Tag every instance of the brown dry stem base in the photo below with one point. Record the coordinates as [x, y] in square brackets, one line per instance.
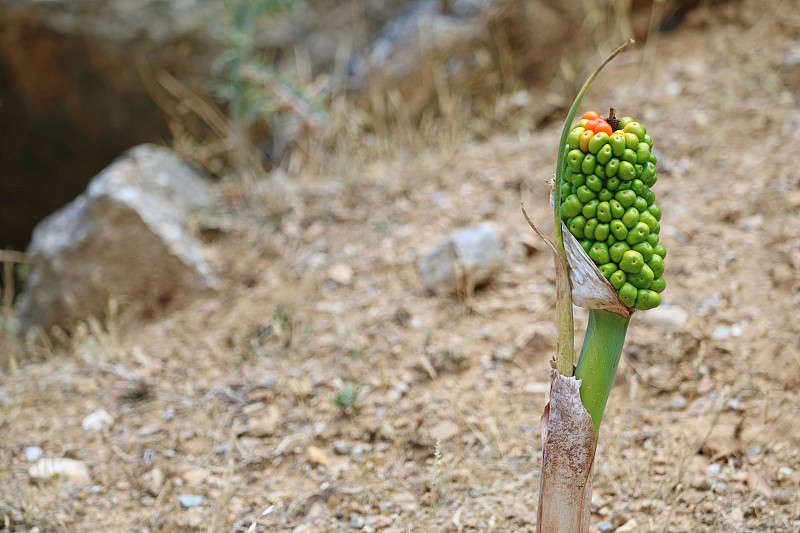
[569, 445]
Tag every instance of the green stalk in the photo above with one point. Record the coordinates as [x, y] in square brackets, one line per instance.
[565, 355]
[597, 366]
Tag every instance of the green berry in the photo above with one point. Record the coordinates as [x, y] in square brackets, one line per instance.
[631, 262]
[600, 171]
[605, 195]
[617, 279]
[630, 218]
[599, 253]
[648, 175]
[658, 284]
[589, 209]
[597, 141]
[612, 168]
[574, 138]
[637, 234]
[576, 226]
[656, 264]
[571, 206]
[631, 141]
[643, 153]
[647, 299]
[627, 293]
[617, 142]
[642, 279]
[652, 239]
[636, 186]
[655, 211]
[645, 249]
[647, 217]
[594, 183]
[604, 212]
[588, 164]
[626, 171]
[602, 231]
[629, 156]
[608, 269]
[618, 229]
[637, 129]
[566, 190]
[640, 204]
[575, 160]
[605, 153]
[588, 229]
[625, 197]
[585, 194]
[624, 121]
[617, 251]
[612, 184]
[616, 208]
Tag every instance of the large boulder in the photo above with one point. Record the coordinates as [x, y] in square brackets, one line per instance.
[126, 236]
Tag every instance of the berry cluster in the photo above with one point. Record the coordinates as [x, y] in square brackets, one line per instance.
[608, 205]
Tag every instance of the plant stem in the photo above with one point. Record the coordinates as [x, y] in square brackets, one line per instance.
[565, 355]
[597, 366]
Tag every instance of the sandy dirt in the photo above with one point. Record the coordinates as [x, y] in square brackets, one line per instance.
[324, 390]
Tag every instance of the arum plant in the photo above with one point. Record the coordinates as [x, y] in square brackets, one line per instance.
[609, 260]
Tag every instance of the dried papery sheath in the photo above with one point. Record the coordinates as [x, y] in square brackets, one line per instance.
[568, 448]
[590, 289]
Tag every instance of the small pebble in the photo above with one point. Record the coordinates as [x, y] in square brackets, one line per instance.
[357, 522]
[97, 421]
[782, 496]
[190, 500]
[673, 88]
[679, 402]
[755, 450]
[785, 471]
[33, 453]
[721, 333]
[605, 526]
[341, 447]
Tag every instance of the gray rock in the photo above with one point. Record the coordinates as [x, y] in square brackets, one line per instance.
[466, 258]
[125, 236]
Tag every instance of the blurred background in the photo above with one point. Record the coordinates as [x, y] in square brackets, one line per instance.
[253, 85]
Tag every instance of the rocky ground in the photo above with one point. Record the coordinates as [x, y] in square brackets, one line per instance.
[323, 389]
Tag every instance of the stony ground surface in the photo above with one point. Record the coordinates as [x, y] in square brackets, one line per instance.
[324, 390]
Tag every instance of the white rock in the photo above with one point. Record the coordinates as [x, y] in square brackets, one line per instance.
[32, 453]
[97, 421]
[126, 235]
[69, 470]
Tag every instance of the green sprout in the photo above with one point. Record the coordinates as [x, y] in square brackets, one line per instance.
[347, 398]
